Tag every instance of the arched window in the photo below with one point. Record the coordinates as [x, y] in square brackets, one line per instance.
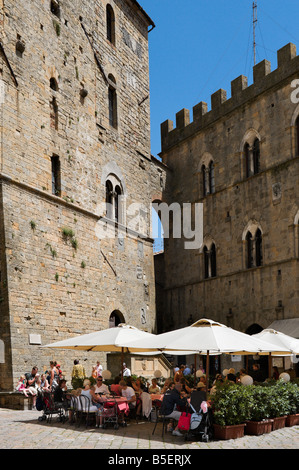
[56, 176]
[206, 262]
[208, 178]
[117, 206]
[256, 156]
[204, 185]
[53, 84]
[112, 101]
[209, 259]
[258, 248]
[247, 160]
[254, 249]
[297, 135]
[252, 158]
[249, 250]
[113, 199]
[213, 260]
[109, 199]
[110, 22]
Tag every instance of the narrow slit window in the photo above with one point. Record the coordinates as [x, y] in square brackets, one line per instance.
[110, 20]
[54, 114]
[112, 103]
[55, 8]
[56, 176]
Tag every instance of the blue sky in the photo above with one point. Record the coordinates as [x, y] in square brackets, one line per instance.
[199, 46]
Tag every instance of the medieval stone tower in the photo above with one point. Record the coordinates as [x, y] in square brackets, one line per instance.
[240, 160]
[75, 155]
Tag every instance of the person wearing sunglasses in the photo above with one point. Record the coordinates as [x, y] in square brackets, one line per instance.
[100, 387]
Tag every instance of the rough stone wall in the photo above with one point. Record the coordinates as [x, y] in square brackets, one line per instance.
[60, 287]
[237, 296]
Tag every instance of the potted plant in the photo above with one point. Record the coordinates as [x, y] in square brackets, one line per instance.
[229, 411]
[278, 402]
[293, 397]
[259, 411]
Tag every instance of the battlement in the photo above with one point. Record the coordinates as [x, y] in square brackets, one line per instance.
[263, 79]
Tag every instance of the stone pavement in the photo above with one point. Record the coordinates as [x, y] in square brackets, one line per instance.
[22, 430]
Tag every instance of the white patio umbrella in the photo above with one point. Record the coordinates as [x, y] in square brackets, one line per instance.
[109, 340]
[279, 339]
[208, 337]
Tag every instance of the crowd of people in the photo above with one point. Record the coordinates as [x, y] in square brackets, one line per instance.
[174, 392]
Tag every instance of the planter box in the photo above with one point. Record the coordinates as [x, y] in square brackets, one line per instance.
[229, 432]
[256, 428]
[279, 423]
[292, 420]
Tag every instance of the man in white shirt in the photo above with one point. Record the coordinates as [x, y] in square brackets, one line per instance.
[126, 371]
[100, 387]
[128, 393]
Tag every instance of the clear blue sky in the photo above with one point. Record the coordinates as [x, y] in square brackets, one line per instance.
[199, 46]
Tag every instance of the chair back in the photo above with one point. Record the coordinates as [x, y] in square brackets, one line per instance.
[85, 403]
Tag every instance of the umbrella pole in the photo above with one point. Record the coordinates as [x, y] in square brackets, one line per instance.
[122, 361]
[270, 365]
[194, 370]
[207, 371]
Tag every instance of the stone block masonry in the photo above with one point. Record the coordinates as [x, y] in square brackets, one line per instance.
[57, 70]
[208, 163]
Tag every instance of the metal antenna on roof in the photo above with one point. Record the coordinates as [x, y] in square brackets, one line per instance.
[254, 7]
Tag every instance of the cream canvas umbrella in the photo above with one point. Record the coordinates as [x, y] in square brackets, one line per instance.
[109, 340]
[279, 339]
[208, 337]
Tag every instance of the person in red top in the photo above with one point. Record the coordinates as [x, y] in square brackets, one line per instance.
[115, 387]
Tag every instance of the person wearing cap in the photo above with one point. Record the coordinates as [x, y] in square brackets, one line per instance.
[126, 371]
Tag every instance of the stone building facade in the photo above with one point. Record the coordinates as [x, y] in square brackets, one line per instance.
[241, 161]
[76, 171]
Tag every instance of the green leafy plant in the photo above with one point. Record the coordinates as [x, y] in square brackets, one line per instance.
[69, 235]
[32, 224]
[230, 404]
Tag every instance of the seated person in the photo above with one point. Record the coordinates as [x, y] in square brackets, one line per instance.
[59, 394]
[166, 385]
[115, 387]
[138, 385]
[171, 400]
[128, 393]
[100, 387]
[154, 388]
[185, 386]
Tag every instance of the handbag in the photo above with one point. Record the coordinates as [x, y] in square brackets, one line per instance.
[184, 421]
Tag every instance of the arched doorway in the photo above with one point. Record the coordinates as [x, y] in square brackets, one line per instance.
[116, 318]
[263, 361]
